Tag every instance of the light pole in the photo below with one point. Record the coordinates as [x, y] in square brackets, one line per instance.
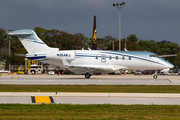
[119, 6]
[9, 54]
[125, 44]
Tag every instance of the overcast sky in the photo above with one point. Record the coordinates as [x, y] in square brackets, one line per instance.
[147, 19]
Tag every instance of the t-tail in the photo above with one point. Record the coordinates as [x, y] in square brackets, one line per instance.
[31, 42]
[94, 37]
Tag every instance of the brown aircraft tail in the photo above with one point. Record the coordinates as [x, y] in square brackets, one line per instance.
[94, 37]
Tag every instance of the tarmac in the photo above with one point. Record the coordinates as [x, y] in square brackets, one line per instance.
[95, 80]
[89, 98]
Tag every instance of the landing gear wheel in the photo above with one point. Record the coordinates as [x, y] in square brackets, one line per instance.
[87, 75]
[155, 76]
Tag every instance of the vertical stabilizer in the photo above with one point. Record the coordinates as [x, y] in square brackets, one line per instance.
[31, 42]
[94, 37]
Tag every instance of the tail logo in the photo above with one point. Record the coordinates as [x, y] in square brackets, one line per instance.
[95, 36]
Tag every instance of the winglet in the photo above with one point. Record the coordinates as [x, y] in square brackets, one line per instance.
[65, 63]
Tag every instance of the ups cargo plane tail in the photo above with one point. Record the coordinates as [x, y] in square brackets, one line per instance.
[88, 62]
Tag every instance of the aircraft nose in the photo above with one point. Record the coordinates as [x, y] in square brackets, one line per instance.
[170, 65]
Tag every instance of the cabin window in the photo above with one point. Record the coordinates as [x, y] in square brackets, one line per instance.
[123, 58]
[96, 57]
[110, 57]
[116, 57]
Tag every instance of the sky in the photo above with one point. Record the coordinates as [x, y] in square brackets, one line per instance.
[148, 19]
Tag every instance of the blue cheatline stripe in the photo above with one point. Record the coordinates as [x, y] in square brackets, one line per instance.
[36, 57]
[120, 58]
[32, 55]
[35, 41]
[85, 56]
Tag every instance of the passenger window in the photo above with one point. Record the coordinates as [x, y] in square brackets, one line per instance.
[110, 57]
[116, 57]
[123, 58]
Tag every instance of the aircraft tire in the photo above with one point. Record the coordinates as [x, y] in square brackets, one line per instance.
[155, 76]
[87, 76]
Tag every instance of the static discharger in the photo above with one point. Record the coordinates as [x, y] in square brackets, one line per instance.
[42, 99]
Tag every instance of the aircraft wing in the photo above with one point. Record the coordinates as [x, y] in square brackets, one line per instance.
[82, 69]
[167, 55]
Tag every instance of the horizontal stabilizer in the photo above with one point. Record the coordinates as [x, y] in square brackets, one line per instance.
[65, 63]
[20, 33]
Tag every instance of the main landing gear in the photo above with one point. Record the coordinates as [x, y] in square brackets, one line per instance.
[87, 76]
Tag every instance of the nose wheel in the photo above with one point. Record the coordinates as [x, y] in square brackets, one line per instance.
[155, 75]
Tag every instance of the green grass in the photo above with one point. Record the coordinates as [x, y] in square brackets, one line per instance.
[93, 88]
[106, 111]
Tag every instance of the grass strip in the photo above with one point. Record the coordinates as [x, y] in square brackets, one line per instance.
[105, 111]
[93, 88]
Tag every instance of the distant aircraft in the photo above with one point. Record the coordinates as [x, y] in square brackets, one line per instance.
[89, 61]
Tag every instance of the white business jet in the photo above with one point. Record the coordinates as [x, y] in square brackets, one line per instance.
[88, 62]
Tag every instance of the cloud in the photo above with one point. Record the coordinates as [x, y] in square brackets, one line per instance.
[147, 19]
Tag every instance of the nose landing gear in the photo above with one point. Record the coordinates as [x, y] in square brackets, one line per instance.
[155, 75]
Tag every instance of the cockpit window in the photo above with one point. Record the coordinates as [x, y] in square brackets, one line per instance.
[154, 55]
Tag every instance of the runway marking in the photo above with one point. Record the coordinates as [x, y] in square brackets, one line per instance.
[14, 77]
[100, 80]
[42, 99]
[169, 80]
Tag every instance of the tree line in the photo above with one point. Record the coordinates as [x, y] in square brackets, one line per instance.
[65, 41]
